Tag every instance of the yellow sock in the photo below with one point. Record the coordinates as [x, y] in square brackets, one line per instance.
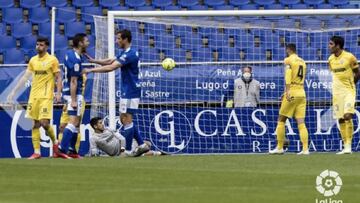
[35, 137]
[349, 131]
[51, 134]
[304, 136]
[78, 140]
[343, 132]
[60, 137]
[280, 134]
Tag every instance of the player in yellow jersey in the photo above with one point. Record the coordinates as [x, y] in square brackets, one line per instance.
[44, 69]
[64, 119]
[293, 102]
[345, 71]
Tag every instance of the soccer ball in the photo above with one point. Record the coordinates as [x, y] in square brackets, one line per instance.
[168, 64]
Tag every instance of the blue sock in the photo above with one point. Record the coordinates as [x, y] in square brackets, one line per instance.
[73, 140]
[67, 135]
[137, 136]
[128, 132]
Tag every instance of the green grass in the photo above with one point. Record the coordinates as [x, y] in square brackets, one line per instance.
[210, 178]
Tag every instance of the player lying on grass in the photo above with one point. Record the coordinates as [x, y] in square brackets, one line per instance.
[107, 142]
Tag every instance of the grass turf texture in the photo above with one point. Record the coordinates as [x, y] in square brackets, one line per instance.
[210, 178]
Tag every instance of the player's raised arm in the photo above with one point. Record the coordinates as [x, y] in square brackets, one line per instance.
[104, 69]
[102, 62]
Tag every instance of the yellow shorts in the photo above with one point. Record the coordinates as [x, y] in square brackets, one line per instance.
[343, 104]
[295, 108]
[39, 109]
[65, 116]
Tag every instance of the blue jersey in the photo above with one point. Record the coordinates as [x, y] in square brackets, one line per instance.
[130, 84]
[72, 68]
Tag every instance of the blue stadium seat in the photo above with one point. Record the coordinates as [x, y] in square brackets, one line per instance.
[244, 40]
[14, 56]
[270, 40]
[217, 41]
[339, 2]
[73, 28]
[65, 15]
[119, 8]
[144, 8]
[2, 29]
[161, 3]
[308, 54]
[139, 40]
[255, 54]
[324, 6]
[207, 31]
[314, 2]
[188, 3]
[319, 40]
[289, 2]
[349, 6]
[264, 2]
[92, 40]
[239, 2]
[202, 54]
[88, 12]
[39, 15]
[90, 51]
[274, 6]
[60, 55]
[30, 3]
[214, 3]
[154, 29]
[229, 54]
[286, 23]
[311, 24]
[61, 42]
[278, 54]
[82, 3]
[300, 39]
[45, 29]
[149, 54]
[298, 6]
[56, 3]
[164, 41]
[336, 23]
[109, 3]
[20, 30]
[191, 41]
[135, 3]
[177, 54]
[179, 30]
[28, 43]
[7, 4]
[12, 15]
[249, 7]
[7, 42]
[172, 8]
[199, 7]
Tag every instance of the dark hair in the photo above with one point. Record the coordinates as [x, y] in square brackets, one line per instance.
[291, 46]
[125, 34]
[249, 67]
[43, 39]
[338, 41]
[94, 121]
[79, 37]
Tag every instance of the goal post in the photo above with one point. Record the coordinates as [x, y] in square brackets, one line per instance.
[292, 35]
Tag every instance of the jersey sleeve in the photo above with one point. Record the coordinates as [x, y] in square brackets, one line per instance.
[55, 66]
[30, 66]
[353, 62]
[74, 66]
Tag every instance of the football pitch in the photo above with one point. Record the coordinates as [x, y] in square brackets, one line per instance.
[206, 178]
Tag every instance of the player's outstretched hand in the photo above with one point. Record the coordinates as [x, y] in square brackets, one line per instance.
[85, 71]
[90, 59]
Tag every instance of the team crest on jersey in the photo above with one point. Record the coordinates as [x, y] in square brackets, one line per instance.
[76, 67]
[341, 61]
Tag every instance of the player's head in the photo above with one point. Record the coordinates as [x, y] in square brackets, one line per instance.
[123, 38]
[246, 73]
[290, 49]
[336, 43]
[42, 45]
[80, 41]
[97, 124]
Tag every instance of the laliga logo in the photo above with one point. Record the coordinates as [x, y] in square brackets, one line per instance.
[170, 131]
[328, 183]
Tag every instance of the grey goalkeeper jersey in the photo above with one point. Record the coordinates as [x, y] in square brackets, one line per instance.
[108, 141]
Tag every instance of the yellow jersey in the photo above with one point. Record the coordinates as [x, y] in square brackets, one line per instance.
[43, 70]
[298, 72]
[342, 71]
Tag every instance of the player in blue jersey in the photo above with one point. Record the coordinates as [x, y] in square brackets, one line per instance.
[72, 93]
[128, 61]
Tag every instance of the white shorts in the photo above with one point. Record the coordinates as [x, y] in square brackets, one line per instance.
[129, 105]
[74, 111]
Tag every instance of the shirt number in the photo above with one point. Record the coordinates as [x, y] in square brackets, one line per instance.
[301, 72]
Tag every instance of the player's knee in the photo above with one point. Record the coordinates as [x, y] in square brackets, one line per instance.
[282, 118]
[45, 123]
[36, 125]
[300, 121]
